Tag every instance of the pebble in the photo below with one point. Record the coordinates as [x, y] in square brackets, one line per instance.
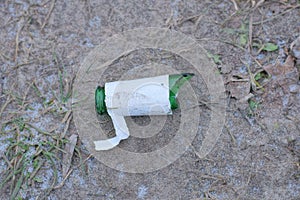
[294, 88]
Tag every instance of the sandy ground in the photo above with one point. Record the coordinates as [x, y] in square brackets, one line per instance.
[43, 44]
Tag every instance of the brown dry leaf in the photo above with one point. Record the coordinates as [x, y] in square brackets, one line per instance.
[295, 49]
[67, 157]
[284, 76]
[239, 88]
[281, 69]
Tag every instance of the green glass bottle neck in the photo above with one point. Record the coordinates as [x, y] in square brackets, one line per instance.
[100, 100]
[175, 82]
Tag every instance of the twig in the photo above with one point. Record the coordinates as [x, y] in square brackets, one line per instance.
[22, 64]
[256, 61]
[64, 180]
[18, 184]
[48, 15]
[222, 41]
[275, 16]
[214, 177]
[39, 130]
[69, 173]
[17, 38]
[7, 161]
[258, 4]
[4, 56]
[292, 118]
[191, 18]
[35, 172]
[232, 137]
[6, 179]
[84, 161]
[250, 33]
[196, 152]
[17, 146]
[66, 117]
[169, 22]
[208, 195]
[235, 5]
[66, 127]
[25, 96]
[255, 85]
[197, 22]
[5, 105]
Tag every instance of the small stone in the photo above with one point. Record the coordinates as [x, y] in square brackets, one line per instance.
[225, 69]
[238, 89]
[294, 88]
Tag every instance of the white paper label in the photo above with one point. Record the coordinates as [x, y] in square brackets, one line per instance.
[148, 96]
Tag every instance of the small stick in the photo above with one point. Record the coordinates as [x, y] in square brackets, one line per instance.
[213, 176]
[48, 15]
[39, 130]
[66, 117]
[191, 18]
[258, 4]
[25, 96]
[35, 172]
[198, 21]
[255, 85]
[69, 173]
[235, 5]
[271, 18]
[231, 135]
[17, 43]
[250, 33]
[4, 56]
[22, 64]
[196, 152]
[257, 62]
[6, 160]
[64, 180]
[222, 41]
[66, 127]
[5, 105]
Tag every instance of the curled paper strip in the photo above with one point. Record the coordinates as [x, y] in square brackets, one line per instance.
[140, 97]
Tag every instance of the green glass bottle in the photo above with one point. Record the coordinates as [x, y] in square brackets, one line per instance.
[175, 82]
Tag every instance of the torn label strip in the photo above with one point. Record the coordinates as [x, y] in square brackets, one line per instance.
[147, 96]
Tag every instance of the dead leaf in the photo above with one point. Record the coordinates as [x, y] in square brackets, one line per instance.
[284, 76]
[67, 157]
[295, 49]
[239, 88]
[281, 69]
